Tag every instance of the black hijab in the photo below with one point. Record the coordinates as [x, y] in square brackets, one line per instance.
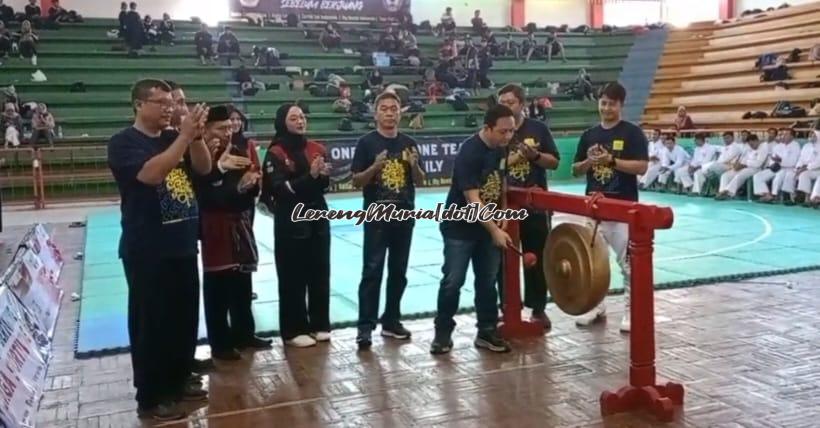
[293, 144]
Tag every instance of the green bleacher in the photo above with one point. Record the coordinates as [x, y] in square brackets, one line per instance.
[84, 53]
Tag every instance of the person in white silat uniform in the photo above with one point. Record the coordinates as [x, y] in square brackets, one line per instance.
[611, 155]
[673, 158]
[749, 165]
[654, 151]
[704, 154]
[810, 174]
[729, 154]
[806, 170]
[779, 169]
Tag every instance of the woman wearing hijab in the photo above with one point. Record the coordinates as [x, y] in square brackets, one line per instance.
[227, 200]
[296, 176]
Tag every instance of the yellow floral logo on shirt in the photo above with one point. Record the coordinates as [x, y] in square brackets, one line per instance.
[491, 190]
[521, 170]
[179, 186]
[602, 173]
[393, 175]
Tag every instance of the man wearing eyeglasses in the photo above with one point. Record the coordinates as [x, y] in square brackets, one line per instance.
[153, 168]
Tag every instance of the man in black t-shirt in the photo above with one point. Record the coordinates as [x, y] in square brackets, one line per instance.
[478, 179]
[531, 153]
[386, 165]
[153, 168]
[612, 155]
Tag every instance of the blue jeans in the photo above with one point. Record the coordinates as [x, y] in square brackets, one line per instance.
[486, 259]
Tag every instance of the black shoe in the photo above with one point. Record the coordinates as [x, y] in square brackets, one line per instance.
[229, 355]
[161, 412]
[193, 392]
[364, 342]
[492, 342]
[202, 366]
[256, 343]
[396, 331]
[541, 317]
[441, 345]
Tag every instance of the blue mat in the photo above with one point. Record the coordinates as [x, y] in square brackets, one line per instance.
[710, 241]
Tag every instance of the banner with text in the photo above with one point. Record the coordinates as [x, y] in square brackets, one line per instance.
[23, 366]
[325, 9]
[436, 156]
[29, 280]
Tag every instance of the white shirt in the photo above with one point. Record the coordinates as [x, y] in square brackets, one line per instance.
[655, 149]
[675, 158]
[788, 153]
[815, 162]
[756, 158]
[732, 152]
[807, 154]
[703, 154]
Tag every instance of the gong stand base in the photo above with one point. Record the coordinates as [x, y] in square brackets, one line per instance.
[518, 328]
[659, 400]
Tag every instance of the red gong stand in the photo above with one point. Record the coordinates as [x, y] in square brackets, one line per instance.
[643, 391]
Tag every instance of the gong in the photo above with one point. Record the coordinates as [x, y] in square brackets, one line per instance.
[576, 268]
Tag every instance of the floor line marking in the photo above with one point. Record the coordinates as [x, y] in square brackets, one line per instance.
[767, 231]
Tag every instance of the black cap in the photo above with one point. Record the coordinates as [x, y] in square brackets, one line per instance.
[218, 113]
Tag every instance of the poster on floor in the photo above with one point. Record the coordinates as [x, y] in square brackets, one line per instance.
[23, 366]
[325, 9]
[29, 281]
[43, 246]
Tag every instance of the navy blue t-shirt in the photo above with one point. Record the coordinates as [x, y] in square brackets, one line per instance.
[535, 134]
[394, 184]
[157, 221]
[477, 166]
[624, 141]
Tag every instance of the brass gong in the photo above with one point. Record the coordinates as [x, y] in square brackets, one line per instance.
[576, 268]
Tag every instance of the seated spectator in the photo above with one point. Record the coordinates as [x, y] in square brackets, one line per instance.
[204, 42]
[583, 86]
[749, 164]
[445, 74]
[683, 120]
[28, 42]
[167, 31]
[409, 44]
[330, 38]
[247, 84]
[33, 13]
[56, 13]
[227, 46]
[389, 41]
[11, 123]
[488, 38]
[529, 47]
[374, 81]
[5, 41]
[447, 26]
[151, 31]
[42, 126]
[510, 47]
[478, 23]
[266, 56]
[343, 103]
[6, 13]
[554, 46]
[134, 30]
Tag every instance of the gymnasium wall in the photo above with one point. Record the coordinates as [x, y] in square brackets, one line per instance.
[557, 12]
[765, 4]
[210, 11]
[496, 13]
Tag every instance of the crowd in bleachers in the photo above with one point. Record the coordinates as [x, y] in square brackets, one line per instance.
[774, 169]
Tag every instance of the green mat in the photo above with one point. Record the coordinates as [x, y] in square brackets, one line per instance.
[709, 242]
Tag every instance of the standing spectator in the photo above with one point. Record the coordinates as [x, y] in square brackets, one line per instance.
[167, 31]
[5, 41]
[330, 38]
[33, 13]
[447, 26]
[154, 168]
[122, 17]
[134, 30]
[42, 125]
[295, 172]
[6, 13]
[204, 42]
[478, 23]
[227, 46]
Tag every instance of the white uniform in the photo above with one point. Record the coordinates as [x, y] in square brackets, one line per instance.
[788, 153]
[673, 160]
[811, 156]
[653, 168]
[753, 159]
[728, 155]
[703, 155]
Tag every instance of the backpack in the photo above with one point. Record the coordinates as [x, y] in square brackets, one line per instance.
[765, 60]
[345, 125]
[470, 121]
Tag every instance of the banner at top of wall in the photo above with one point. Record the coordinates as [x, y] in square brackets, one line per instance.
[325, 9]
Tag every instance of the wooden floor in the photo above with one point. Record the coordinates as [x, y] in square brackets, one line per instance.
[748, 354]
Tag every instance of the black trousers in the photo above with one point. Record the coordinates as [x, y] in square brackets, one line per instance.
[381, 238]
[228, 293]
[163, 316]
[303, 270]
[534, 231]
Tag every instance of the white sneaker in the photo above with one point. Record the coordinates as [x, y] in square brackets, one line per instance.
[301, 341]
[34, 60]
[594, 316]
[627, 317]
[625, 324]
[321, 336]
